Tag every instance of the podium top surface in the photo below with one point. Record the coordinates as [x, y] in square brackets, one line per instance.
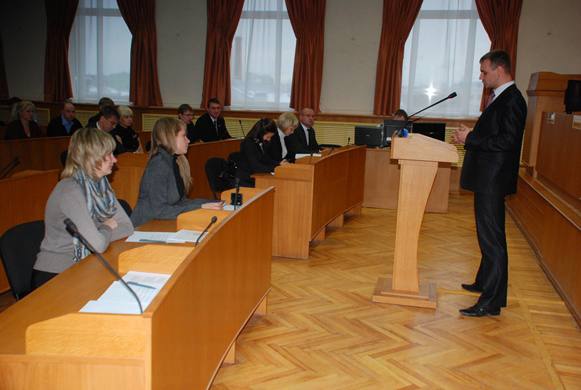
[421, 148]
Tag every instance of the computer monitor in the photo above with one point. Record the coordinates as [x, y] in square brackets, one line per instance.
[573, 96]
[434, 130]
[390, 126]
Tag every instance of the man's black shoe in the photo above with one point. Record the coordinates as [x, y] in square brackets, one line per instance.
[471, 287]
[479, 311]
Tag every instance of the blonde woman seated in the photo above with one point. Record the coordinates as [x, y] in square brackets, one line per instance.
[22, 125]
[86, 198]
[166, 180]
[277, 148]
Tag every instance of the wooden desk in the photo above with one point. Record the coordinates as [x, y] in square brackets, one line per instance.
[382, 183]
[312, 194]
[23, 199]
[35, 153]
[198, 154]
[183, 336]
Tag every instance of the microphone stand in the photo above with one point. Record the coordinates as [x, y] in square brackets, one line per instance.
[212, 221]
[450, 96]
[73, 231]
[8, 168]
[237, 193]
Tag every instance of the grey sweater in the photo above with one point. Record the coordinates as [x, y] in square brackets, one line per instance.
[68, 200]
[158, 194]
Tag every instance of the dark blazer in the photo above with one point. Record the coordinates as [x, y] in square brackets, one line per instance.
[92, 122]
[15, 130]
[126, 139]
[205, 130]
[298, 141]
[493, 147]
[57, 129]
[159, 196]
[274, 149]
[254, 158]
[191, 133]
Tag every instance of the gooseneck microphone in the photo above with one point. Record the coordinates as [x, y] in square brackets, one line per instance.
[9, 167]
[212, 221]
[73, 231]
[348, 140]
[450, 96]
[242, 128]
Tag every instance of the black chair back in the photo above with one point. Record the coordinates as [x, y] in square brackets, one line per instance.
[219, 176]
[18, 247]
[125, 206]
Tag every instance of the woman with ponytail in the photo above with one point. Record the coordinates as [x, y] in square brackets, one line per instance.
[166, 180]
[85, 197]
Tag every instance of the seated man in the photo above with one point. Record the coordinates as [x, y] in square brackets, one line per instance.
[211, 126]
[108, 120]
[65, 124]
[303, 139]
[103, 102]
[186, 114]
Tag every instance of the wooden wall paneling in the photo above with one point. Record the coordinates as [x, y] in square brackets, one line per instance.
[35, 153]
[126, 177]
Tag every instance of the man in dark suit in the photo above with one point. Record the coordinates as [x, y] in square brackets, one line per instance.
[490, 170]
[211, 126]
[186, 114]
[103, 102]
[303, 139]
[65, 124]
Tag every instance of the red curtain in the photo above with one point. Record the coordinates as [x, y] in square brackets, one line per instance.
[3, 84]
[500, 19]
[140, 18]
[223, 17]
[307, 18]
[398, 19]
[60, 15]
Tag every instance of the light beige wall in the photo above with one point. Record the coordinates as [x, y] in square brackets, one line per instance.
[352, 34]
[549, 39]
[181, 44]
[23, 29]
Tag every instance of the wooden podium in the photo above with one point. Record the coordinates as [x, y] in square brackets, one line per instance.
[418, 157]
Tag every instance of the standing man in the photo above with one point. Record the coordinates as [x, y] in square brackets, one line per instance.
[303, 139]
[65, 124]
[211, 126]
[490, 170]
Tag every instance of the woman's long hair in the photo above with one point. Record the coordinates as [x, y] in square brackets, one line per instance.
[263, 126]
[163, 136]
[87, 149]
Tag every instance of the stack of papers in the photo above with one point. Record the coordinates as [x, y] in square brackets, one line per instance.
[179, 237]
[118, 300]
[301, 155]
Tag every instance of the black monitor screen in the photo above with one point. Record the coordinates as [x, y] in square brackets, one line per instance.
[434, 130]
[573, 96]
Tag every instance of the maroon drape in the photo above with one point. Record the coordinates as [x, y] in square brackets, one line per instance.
[307, 18]
[140, 18]
[398, 19]
[60, 15]
[500, 19]
[3, 84]
[223, 18]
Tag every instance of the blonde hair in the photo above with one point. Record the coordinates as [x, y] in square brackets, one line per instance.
[163, 136]
[286, 120]
[87, 149]
[124, 111]
[17, 108]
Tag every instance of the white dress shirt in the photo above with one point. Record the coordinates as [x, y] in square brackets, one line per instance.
[281, 135]
[501, 89]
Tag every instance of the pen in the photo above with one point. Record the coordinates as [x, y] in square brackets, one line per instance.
[141, 285]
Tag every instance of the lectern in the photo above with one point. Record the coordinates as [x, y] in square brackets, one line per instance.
[418, 157]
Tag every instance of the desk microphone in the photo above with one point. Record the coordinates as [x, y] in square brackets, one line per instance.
[73, 231]
[348, 140]
[450, 96]
[236, 197]
[212, 221]
[242, 128]
[9, 167]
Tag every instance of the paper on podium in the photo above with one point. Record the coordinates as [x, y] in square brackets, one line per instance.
[301, 155]
[118, 300]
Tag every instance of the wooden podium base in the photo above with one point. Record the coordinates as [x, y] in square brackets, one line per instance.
[426, 297]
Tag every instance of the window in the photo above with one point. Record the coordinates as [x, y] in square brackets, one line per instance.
[441, 56]
[263, 50]
[100, 52]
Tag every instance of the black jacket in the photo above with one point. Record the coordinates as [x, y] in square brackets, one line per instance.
[126, 139]
[493, 147]
[254, 158]
[205, 130]
[297, 142]
[15, 130]
[57, 129]
[274, 149]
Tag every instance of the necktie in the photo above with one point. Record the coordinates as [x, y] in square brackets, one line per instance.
[307, 136]
[490, 99]
[216, 127]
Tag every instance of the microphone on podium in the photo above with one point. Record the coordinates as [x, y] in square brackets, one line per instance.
[212, 221]
[74, 231]
[450, 96]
